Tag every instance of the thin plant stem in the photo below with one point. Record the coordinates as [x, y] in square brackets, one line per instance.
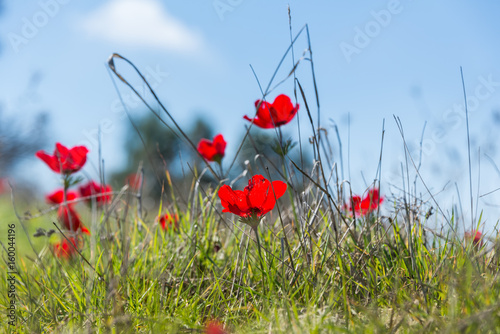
[256, 231]
[220, 169]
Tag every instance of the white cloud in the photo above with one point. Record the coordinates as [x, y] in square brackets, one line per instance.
[141, 23]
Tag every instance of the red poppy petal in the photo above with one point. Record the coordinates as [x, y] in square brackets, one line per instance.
[231, 207]
[365, 204]
[266, 116]
[77, 157]
[279, 189]
[225, 205]
[85, 190]
[248, 118]
[70, 218]
[219, 140]
[57, 197]
[233, 201]
[373, 194]
[49, 160]
[268, 205]
[228, 198]
[354, 204]
[263, 124]
[207, 149]
[107, 198]
[93, 188]
[284, 110]
[242, 202]
[264, 113]
[70, 196]
[63, 249]
[257, 191]
[61, 150]
[260, 123]
[264, 104]
[371, 201]
[355, 201]
[219, 145]
[225, 193]
[235, 210]
[283, 106]
[477, 238]
[292, 114]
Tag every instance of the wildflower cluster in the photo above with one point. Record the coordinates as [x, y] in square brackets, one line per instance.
[259, 197]
[251, 204]
[66, 162]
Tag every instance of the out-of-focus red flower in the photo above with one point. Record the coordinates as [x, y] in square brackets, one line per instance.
[102, 193]
[255, 200]
[3, 185]
[280, 112]
[477, 240]
[63, 249]
[134, 181]
[57, 197]
[66, 214]
[212, 150]
[168, 221]
[71, 219]
[64, 160]
[366, 205]
[214, 327]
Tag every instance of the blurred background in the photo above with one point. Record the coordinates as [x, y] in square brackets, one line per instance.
[372, 60]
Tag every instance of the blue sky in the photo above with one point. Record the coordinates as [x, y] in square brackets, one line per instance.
[373, 60]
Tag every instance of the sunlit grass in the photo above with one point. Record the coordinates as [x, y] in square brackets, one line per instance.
[175, 281]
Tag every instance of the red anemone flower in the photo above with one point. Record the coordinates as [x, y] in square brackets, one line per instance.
[274, 115]
[134, 181]
[257, 199]
[64, 249]
[477, 240]
[212, 150]
[57, 197]
[366, 205]
[66, 214]
[214, 327]
[64, 160]
[71, 219]
[101, 193]
[168, 221]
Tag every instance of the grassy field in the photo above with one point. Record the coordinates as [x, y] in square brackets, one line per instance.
[383, 274]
